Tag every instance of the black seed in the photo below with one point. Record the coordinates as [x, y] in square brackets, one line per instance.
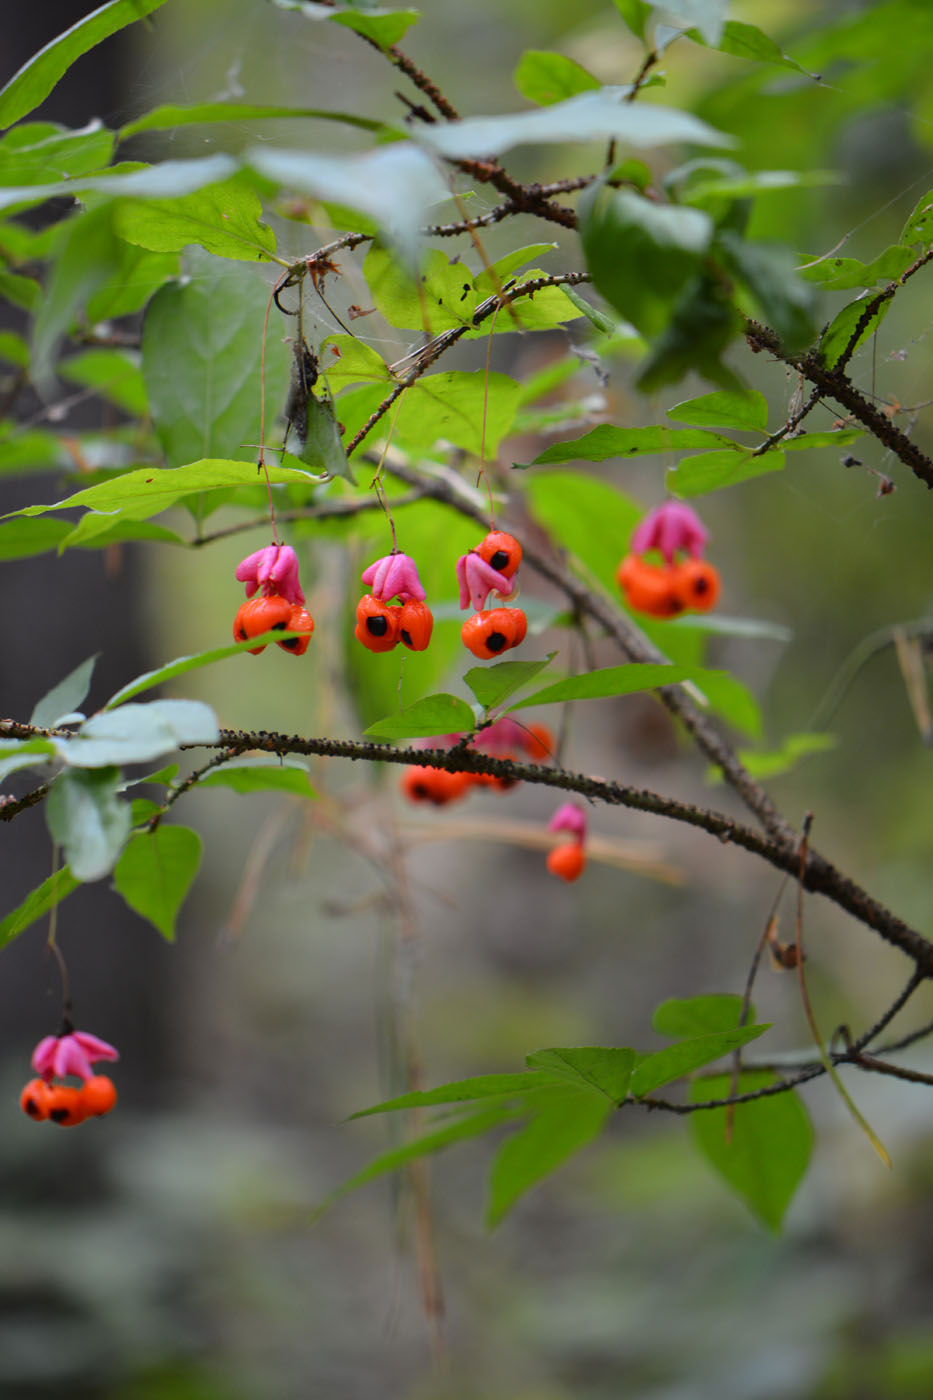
[60, 1115]
[32, 1108]
[499, 559]
[377, 626]
[278, 627]
[420, 791]
[241, 635]
[496, 641]
[701, 586]
[406, 637]
[291, 644]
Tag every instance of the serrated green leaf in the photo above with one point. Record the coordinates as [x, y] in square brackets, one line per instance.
[224, 219]
[664, 1066]
[641, 254]
[607, 441]
[443, 295]
[155, 872]
[86, 817]
[51, 892]
[38, 151]
[451, 406]
[427, 718]
[710, 471]
[766, 1154]
[138, 733]
[590, 116]
[738, 408]
[607, 1068]
[481, 1086]
[494, 684]
[261, 775]
[567, 1120]
[35, 80]
[610, 681]
[546, 77]
[64, 698]
[695, 1016]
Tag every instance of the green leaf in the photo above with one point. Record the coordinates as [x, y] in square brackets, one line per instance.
[617, 680]
[469, 1126]
[142, 810]
[87, 819]
[40, 151]
[708, 16]
[114, 374]
[769, 271]
[222, 219]
[148, 490]
[591, 519]
[833, 437]
[19, 539]
[33, 82]
[481, 1086]
[664, 1066]
[722, 188]
[138, 733]
[135, 276]
[547, 77]
[607, 441]
[450, 406]
[918, 230]
[590, 116]
[14, 349]
[51, 892]
[382, 26]
[16, 754]
[606, 1068]
[323, 449]
[21, 291]
[180, 666]
[169, 179]
[635, 13]
[394, 185]
[694, 1016]
[733, 700]
[747, 41]
[566, 1121]
[64, 698]
[641, 254]
[86, 255]
[170, 116]
[433, 716]
[443, 293]
[746, 409]
[703, 322]
[261, 775]
[836, 338]
[494, 684]
[155, 872]
[694, 476]
[774, 762]
[768, 1152]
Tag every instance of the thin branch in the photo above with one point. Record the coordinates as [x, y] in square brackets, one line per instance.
[334, 510]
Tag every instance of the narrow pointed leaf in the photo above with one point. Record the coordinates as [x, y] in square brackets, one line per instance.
[494, 685]
[51, 892]
[434, 715]
[155, 873]
[481, 1086]
[65, 697]
[567, 1120]
[87, 819]
[675, 1061]
[606, 1068]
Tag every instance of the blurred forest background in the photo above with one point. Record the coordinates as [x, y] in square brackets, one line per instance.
[170, 1250]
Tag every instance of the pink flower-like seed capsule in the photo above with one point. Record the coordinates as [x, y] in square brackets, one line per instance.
[394, 576]
[669, 528]
[71, 1053]
[477, 580]
[274, 570]
[570, 817]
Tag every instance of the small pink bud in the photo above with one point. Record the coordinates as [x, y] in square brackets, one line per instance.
[668, 528]
[394, 576]
[72, 1053]
[570, 817]
[274, 570]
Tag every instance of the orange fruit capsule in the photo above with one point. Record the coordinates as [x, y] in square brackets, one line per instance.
[698, 582]
[34, 1099]
[567, 861]
[98, 1096]
[488, 634]
[501, 552]
[651, 589]
[436, 785]
[415, 625]
[376, 624]
[258, 615]
[65, 1105]
[299, 620]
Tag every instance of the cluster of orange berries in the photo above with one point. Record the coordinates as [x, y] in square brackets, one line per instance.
[70, 1053]
[491, 567]
[272, 573]
[382, 624]
[665, 590]
[504, 739]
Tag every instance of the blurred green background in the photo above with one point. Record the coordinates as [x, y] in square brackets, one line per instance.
[172, 1250]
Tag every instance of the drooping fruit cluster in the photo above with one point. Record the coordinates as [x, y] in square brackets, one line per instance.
[381, 624]
[567, 861]
[490, 567]
[280, 604]
[71, 1053]
[505, 738]
[665, 590]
